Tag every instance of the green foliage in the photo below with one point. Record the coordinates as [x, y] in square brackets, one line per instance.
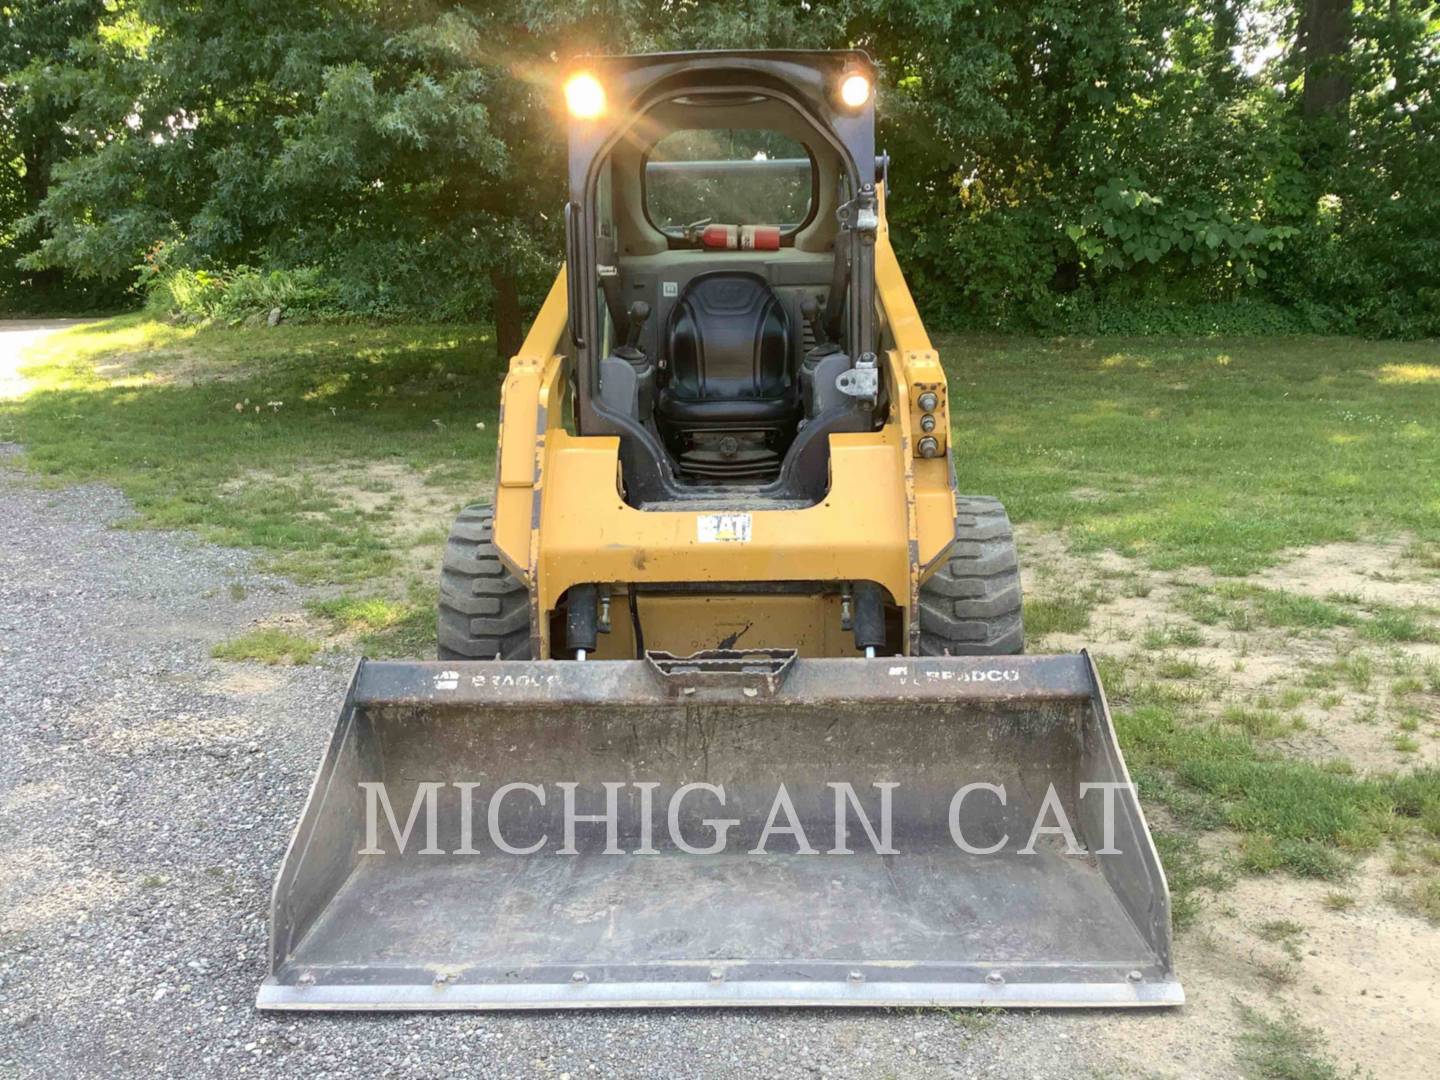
[1126, 227]
[1067, 612]
[244, 293]
[35, 36]
[384, 627]
[1060, 166]
[1292, 815]
[1095, 166]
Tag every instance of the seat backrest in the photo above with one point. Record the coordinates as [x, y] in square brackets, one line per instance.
[729, 338]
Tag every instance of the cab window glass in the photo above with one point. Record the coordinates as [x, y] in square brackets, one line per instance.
[728, 177]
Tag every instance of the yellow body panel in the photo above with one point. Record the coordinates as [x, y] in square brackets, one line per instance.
[560, 520]
[684, 625]
[589, 534]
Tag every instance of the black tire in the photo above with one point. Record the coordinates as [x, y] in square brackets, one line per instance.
[971, 606]
[484, 609]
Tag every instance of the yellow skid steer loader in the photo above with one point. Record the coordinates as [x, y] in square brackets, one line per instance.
[730, 707]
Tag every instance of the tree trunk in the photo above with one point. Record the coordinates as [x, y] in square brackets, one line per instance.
[506, 311]
[1224, 32]
[1325, 42]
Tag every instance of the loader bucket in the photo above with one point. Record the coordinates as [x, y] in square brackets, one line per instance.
[563, 848]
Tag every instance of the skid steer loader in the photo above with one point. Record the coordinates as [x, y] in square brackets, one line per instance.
[730, 707]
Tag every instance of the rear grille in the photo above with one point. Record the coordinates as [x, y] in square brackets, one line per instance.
[728, 455]
[746, 465]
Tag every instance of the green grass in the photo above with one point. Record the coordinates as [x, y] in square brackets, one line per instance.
[1193, 877]
[1172, 635]
[269, 646]
[1065, 612]
[1280, 930]
[1426, 555]
[1292, 697]
[1357, 669]
[385, 627]
[1280, 1047]
[1261, 723]
[1214, 453]
[1420, 898]
[1395, 624]
[1279, 608]
[1298, 816]
[1240, 606]
[1180, 667]
[1405, 685]
[1219, 453]
[235, 432]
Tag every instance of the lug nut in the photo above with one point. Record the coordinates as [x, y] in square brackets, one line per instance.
[929, 447]
[928, 401]
[927, 422]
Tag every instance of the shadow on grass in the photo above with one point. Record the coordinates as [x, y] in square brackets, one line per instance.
[1219, 453]
[235, 433]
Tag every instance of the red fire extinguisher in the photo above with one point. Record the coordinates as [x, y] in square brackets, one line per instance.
[741, 237]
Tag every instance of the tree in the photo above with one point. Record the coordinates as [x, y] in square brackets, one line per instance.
[1324, 38]
[34, 138]
[1055, 161]
[411, 151]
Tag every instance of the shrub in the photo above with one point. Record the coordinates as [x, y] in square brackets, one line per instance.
[236, 295]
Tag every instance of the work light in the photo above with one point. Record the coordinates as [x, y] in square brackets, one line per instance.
[855, 90]
[584, 96]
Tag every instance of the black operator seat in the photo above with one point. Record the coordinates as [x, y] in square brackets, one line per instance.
[730, 354]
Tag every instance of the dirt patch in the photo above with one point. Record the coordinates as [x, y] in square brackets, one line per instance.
[1337, 686]
[1368, 977]
[1378, 573]
[1364, 975]
[171, 367]
[416, 514]
[246, 682]
[408, 507]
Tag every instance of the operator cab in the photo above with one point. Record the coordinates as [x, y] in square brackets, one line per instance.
[718, 271]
